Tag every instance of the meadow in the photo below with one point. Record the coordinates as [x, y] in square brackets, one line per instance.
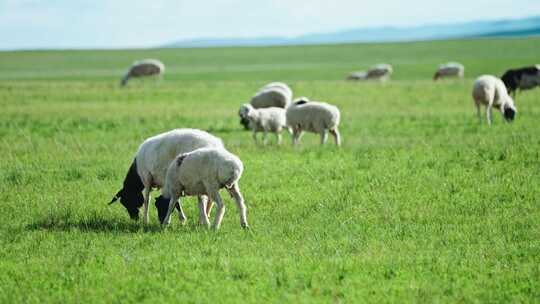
[423, 203]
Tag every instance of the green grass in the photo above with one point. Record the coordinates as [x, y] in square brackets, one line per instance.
[421, 204]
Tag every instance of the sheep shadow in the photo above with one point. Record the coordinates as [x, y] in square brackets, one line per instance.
[65, 222]
[92, 224]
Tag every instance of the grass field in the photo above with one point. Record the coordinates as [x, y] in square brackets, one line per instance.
[421, 204]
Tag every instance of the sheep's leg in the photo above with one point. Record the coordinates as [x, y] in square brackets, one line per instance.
[209, 207]
[146, 200]
[488, 114]
[279, 139]
[203, 217]
[254, 135]
[181, 215]
[235, 193]
[337, 136]
[265, 137]
[167, 219]
[214, 195]
[297, 134]
[324, 136]
[478, 111]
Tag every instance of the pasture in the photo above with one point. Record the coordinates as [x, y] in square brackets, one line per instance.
[421, 204]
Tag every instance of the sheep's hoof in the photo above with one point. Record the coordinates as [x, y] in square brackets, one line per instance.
[245, 226]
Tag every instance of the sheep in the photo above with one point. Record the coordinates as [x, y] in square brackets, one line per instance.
[142, 68]
[264, 120]
[204, 172]
[521, 79]
[490, 91]
[275, 94]
[150, 165]
[380, 72]
[450, 69]
[313, 116]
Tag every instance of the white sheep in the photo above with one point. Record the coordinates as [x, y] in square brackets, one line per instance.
[312, 116]
[264, 120]
[491, 92]
[142, 68]
[275, 94]
[204, 172]
[150, 165]
[450, 69]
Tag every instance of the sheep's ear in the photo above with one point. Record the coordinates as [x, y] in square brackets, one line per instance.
[180, 159]
[116, 197]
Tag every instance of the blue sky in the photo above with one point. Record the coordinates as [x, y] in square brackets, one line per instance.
[26, 24]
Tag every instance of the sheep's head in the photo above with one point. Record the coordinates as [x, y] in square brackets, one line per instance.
[162, 205]
[509, 114]
[132, 201]
[243, 113]
[130, 195]
[301, 100]
[509, 110]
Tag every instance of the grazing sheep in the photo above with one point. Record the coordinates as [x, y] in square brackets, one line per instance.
[264, 120]
[150, 165]
[524, 78]
[450, 69]
[491, 92]
[204, 172]
[313, 116]
[275, 94]
[380, 72]
[142, 68]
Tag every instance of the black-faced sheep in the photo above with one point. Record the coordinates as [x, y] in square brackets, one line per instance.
[150, 165]
[490, 91]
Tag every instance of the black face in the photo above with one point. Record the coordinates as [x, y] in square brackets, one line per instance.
[509, 114]
[132, 202]
[244, 122]
[162, 205]
[130, 195]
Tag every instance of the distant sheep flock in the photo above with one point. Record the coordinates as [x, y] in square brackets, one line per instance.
[191, 162]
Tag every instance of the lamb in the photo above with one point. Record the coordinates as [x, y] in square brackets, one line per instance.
[150, 165]
[313, 116]
[264, 120]
[142, 68]
[490, 91]
[275, 94]
[204, 172]
[450, 69]
[380, 72]
[524, 78]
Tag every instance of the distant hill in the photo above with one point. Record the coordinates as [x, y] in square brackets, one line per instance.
[498, 28]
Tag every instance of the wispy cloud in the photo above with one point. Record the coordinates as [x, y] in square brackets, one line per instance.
[125, 23]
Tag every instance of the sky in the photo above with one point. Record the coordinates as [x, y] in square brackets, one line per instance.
[30, 24]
